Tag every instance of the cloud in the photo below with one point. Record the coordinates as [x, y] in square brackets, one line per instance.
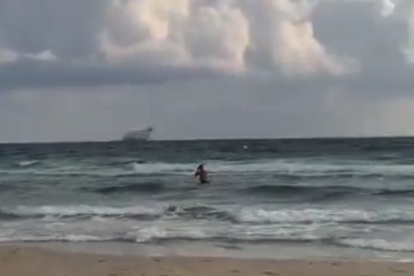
[231, 36]
[241, 36]
[289, 39]
[197, 68]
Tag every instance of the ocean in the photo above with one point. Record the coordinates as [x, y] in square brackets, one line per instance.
[288, 198]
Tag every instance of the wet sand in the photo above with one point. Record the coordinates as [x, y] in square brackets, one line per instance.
[25, 261]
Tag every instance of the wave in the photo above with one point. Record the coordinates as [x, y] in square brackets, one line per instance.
[306, 193]
[390, 192]
[243, 216]
[322, 193]
[56, 238]
[321, 216]
[28, 163]
[148, 187]
[154, 235]
[164, 224]
[376, 244]
[284, 169]
[134, 213]
[160, 237]
[319, 193]
[79, 212]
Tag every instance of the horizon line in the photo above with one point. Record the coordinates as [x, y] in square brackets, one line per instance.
[214, 139]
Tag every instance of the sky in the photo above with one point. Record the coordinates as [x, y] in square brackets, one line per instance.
[203, 69]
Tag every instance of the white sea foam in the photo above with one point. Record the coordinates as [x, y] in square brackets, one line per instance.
[379, 244]
[255, 215]
[313, 215]
[28, 163]
[286, 226]
[73, 210]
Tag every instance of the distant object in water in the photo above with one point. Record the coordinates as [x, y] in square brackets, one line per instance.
[138, 135]
[201, 174]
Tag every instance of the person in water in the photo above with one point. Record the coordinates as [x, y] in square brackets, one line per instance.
[201, 174]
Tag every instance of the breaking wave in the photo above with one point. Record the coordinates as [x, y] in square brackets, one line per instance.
[284, 169]
[160, 235]
[325, 192]
[306, 193]
[245, 215]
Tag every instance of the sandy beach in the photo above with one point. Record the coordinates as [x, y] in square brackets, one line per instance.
[22, 261]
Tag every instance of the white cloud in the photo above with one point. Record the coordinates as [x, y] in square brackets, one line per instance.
[10, 56]
[222, 33]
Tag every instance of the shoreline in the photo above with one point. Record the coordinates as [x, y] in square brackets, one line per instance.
[21, 260]
[281, 251]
